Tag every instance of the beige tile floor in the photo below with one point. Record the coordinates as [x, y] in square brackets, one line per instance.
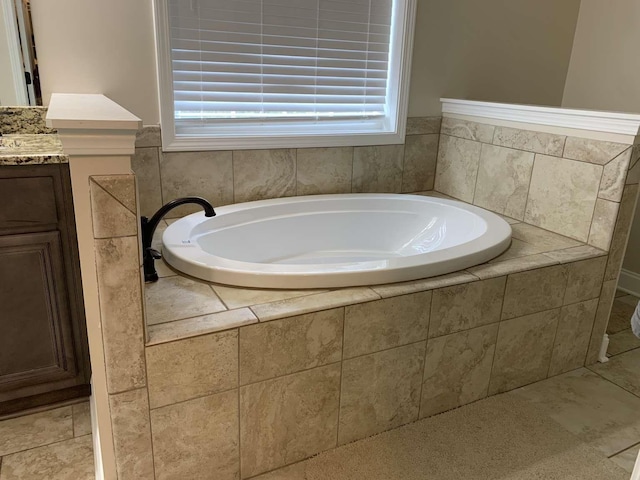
[55, 444]
[583, 424]
[621, 339]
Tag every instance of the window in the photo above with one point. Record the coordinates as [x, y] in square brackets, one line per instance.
[283, 73]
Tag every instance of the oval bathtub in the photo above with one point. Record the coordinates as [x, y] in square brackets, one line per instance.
[334, 240]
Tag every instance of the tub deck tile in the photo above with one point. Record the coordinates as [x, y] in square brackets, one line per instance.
[193, 327]
[414, 286]
[313, 303]
[521, 264]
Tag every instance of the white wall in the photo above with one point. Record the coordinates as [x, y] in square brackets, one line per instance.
[512, 51]
[604, 73]
[98, 46]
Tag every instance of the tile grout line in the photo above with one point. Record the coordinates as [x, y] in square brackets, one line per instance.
[624, 450]
[344, 324]
[239, 413]
[495, 349]
[46, 445]
[611, 381]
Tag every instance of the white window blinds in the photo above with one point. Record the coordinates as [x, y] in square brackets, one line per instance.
[279, 59]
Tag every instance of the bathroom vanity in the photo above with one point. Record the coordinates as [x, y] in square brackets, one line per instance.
[44, 355]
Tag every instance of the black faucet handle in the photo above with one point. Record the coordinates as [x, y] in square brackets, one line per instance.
[155, 254]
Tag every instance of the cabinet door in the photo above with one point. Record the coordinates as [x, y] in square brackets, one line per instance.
[36, 338]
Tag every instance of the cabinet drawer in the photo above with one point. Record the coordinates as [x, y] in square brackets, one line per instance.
[27, 203]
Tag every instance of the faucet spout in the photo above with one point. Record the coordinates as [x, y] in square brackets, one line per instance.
[148, 228]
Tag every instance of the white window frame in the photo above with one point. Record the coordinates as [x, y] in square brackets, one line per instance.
[393, 130]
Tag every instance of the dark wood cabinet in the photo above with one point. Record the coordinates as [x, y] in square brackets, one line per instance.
[43, 346]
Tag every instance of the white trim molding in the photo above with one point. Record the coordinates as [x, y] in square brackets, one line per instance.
[92, 124]
[629, 282]
[610, 122]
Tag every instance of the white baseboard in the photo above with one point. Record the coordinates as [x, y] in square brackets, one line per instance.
[629, 282]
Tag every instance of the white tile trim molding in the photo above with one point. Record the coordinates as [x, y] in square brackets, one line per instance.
[610, 122]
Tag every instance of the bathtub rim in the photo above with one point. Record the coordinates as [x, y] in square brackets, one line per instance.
[279, 276]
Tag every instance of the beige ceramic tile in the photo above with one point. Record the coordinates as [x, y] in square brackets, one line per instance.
[288, 419]
[584, 280]
[599, 413]
[146, 165]
[633, 176]
[523, 350]
[31, 431]
[479, 132]
[382, 324]
[202, 174]
[380, 391]
[324, 170]
[148, 136]
[573, 336]
[509, 220]
[555, 207]
[81, 419]
[423, 125]
[574, 254]
[514, 265]
[262, 174]
[132, 434]
[163, 269]
[419, 167]
[627, 459]
[518, 249]
[614, 177]
[196, 326]
[119, 287]
[601, 321]
[120, 187]
[195, 438]
[537, 142]
[462, 307]
[110, 217]
[504, 175]
[281, 347]
[236, 297]
[313, 303]
[503, 437]
[623, 370]
[377, 169]
[603, 224]
[192, 368]
[68, 460]
[403, 288]
[592, 151]
[534, 291]
[622, 341]
[457, 369]
[457, 169]
[621, 232]
[175, 298]
[544, 239]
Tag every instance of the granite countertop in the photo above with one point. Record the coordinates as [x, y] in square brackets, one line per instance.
[31, 149]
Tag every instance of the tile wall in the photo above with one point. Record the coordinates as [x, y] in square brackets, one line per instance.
[267, 394]
[225, 177]
[256, 398]
[569, 185]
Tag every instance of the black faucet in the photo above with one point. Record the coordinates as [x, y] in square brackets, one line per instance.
[149, 227]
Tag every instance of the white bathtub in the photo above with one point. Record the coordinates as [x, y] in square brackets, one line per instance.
[334, 240]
